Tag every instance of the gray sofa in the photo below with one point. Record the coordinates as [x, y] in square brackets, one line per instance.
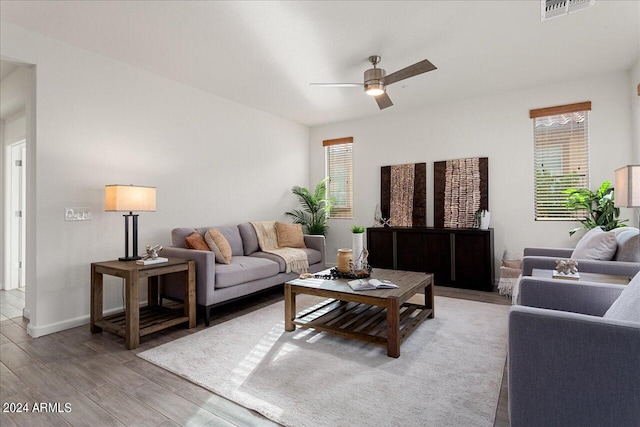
[250, 270]
[569, 366]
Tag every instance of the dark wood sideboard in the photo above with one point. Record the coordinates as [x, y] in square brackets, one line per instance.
[457, 257]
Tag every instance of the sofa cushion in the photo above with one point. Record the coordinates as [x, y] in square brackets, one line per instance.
[249, 238]
[626, 306]
[195, 241]
[596, 244]
[628, 245]
[313, 256]
[218, 245]
[289, 235]
[244, 269]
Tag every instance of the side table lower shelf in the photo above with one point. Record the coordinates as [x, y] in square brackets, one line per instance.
[152, 319]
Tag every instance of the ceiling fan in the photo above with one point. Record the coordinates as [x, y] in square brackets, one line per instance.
[376, 79]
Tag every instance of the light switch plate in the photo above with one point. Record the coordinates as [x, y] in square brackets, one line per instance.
[77, 214]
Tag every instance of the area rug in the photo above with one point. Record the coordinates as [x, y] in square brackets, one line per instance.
[448, 374]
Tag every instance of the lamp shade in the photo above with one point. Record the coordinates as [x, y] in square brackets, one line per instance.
[129, 198]
[627, 186]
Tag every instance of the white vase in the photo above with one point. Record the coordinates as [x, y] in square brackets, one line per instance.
[358, 245]
[485, 219]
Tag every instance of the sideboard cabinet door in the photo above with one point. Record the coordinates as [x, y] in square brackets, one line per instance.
[460, 258]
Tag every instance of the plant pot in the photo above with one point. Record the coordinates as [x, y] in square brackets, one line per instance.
[357, 242]
[485, 219]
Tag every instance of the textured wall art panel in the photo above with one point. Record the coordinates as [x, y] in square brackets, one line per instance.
[403, 194]
[461, 187]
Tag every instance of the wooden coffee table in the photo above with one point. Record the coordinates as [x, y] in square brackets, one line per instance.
[382, 316]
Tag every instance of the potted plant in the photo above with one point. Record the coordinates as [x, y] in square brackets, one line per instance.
[314, 209]
[599, 206]
[357, 241]
[481, 219]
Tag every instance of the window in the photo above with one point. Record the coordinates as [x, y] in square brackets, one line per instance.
[338, 161]
[561, 156]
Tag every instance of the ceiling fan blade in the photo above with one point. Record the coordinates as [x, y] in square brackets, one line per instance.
[336, 84]
[383, 101]
[410, 71]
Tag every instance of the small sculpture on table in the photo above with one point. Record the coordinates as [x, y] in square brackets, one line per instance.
[152, 252]
[365, 270]
[566, 268]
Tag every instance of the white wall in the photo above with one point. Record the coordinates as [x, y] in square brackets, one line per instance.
[497, 127]
[98, 122]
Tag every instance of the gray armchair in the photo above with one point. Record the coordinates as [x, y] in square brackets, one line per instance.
[568, 366]
[625, 262]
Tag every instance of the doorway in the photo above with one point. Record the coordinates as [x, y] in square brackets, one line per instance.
[17, 147]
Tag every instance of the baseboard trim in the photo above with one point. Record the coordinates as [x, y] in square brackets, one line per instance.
[52, 328]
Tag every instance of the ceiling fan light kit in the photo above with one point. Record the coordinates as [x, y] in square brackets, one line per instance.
[376, 79]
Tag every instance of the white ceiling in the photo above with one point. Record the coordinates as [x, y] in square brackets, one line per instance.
[265, 54]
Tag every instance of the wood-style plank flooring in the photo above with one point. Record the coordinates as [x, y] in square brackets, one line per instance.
[104, 384]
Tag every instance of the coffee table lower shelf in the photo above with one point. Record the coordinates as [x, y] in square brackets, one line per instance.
[361, 321]
[152, 319]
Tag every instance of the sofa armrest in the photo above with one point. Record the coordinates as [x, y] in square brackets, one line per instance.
[621, 268]
[576, 297]
[569, 369]
[317, 242]
[554, 252]
[205, 273]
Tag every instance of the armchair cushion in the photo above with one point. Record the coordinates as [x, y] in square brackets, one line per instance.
[596, 244]
[627, 306]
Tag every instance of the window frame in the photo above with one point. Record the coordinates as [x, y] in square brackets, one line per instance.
[340, 211]
[573, 154]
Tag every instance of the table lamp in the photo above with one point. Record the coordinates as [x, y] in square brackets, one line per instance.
[129, 198]
[627, 187]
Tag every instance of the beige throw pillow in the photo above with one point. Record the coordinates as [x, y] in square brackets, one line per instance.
[219, 245]
[512, 263]
[289, 235]
[195, 241]
[596, 244]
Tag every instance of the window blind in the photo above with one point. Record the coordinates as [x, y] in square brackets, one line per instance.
[339, 169]
[561, 156]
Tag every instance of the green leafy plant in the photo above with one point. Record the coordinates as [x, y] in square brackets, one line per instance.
[598, 205]
[357, 229]
[314, 208]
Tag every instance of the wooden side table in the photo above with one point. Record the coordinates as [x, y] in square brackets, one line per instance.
[138, 321]
[585, 277]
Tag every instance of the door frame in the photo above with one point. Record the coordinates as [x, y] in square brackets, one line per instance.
[15, 230]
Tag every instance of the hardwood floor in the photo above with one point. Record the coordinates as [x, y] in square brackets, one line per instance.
[104, 384]
[11, 303]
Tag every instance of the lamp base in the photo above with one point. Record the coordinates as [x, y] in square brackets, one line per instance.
[129, 258]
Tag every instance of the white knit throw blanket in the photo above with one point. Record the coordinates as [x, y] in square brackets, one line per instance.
[295, 259]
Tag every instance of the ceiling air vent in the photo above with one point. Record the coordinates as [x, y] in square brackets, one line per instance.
[554, 8]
